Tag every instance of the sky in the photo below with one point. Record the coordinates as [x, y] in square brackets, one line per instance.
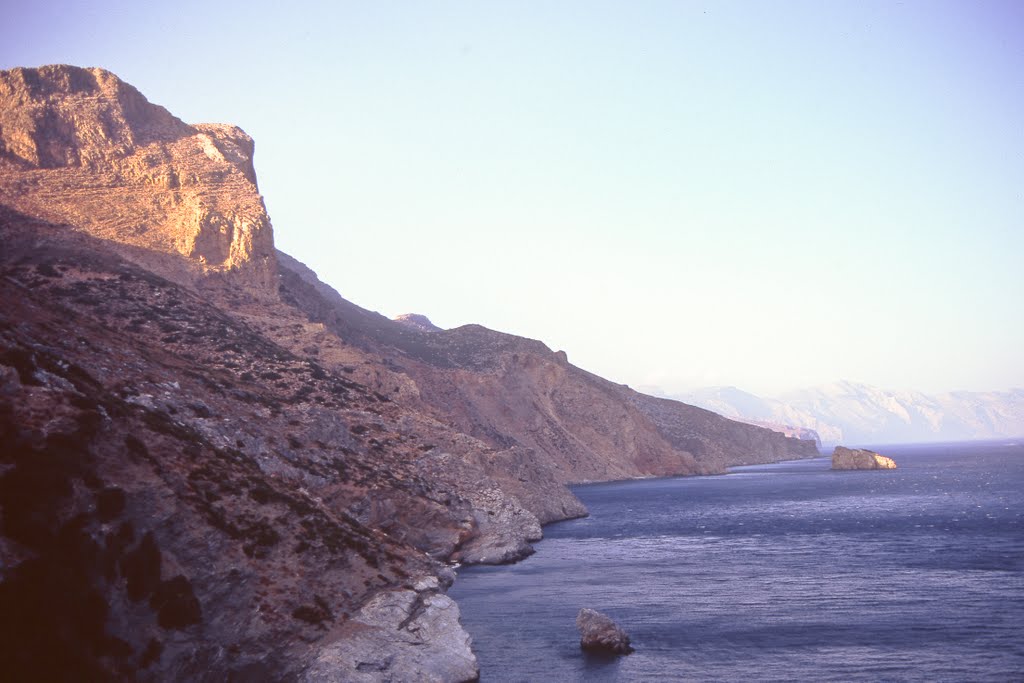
[770, 195]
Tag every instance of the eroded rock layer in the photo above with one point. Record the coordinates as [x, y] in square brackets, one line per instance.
[80, 147]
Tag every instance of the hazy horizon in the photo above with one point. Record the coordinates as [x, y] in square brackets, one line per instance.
[649, 388]
[682, 195]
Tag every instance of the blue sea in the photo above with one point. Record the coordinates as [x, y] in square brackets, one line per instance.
[784, 572]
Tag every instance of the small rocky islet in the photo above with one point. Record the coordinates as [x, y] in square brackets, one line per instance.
[600, 634]
[860, 459]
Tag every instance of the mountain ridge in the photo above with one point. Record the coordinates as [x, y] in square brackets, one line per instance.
[241, 473]
[846, 411]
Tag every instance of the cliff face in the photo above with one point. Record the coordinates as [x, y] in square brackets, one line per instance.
[232, 471]
[72, 139]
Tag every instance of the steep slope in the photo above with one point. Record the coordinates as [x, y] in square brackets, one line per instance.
[717, 442]
[183, 499]
[217, 506]
[512, 392]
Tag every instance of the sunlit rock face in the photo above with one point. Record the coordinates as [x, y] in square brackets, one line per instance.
[82, 148]
[860, 459]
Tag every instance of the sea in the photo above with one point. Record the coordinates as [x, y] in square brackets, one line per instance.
[782, 572]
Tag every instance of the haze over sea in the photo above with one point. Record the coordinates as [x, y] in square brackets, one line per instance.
[776, 572]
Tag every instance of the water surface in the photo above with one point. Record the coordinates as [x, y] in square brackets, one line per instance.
[775, 572]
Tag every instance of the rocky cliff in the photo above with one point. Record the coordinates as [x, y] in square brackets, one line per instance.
[213, 466]
[71, 139]
[512, 392]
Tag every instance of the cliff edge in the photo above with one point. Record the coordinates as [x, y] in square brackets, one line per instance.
[81, 148]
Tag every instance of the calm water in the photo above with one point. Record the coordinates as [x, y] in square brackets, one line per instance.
[775, 572]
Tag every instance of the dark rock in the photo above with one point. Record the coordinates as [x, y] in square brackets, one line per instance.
[109, 503]
[152, 653]
[176, 604]
[141, 568]
[598, 633]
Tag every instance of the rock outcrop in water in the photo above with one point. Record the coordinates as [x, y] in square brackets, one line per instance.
[860, 459]
[598, 633]
[213, 466]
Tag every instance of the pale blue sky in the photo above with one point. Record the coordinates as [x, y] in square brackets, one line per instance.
[678, 194]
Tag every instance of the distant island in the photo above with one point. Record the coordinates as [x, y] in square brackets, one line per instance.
[860, 459]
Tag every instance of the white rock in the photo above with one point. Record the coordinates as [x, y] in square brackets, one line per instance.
[399, 635]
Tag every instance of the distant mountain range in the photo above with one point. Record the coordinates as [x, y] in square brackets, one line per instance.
[852, 413]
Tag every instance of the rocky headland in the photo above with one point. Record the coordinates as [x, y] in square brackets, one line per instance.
[418, 321]
[860, 459]
[213, 466]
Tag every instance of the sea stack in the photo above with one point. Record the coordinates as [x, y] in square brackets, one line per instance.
[860, 459]
[598, 633]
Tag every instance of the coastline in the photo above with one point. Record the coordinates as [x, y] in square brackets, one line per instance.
[539, 599]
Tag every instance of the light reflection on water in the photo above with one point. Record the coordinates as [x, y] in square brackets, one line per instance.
[779, 572]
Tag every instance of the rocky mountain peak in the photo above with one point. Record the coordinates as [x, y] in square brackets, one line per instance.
[417, 321]
[83, 149]
[60, 115]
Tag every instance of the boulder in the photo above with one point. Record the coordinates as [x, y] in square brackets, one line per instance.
[399, 635]
[860, 459]
[598, 633]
